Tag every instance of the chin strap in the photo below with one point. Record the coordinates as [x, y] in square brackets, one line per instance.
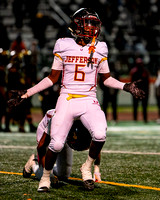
[91, 50]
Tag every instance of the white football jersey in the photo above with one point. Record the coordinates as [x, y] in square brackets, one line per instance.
[77, 77]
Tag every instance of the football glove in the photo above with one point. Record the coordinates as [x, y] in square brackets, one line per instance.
[16, 99]
[134, 89]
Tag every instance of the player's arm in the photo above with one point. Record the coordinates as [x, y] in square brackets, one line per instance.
[43, 84]
[109, 81]
[104, 72]
[53, 77]
[18, 96]
[132, 87]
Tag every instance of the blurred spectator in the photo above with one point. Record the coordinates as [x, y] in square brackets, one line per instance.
[152, 38]
[4, 39]
[139, 72]
[2, 93]
[110, 95]
[157, 94]
[139, 47]
[18, 45]
[29, 69]
[34, 62]
[14, 82]
[22, 9]
[120, 41]
[30, 77]
[4, 60]
[31, 9]
[39, 25]
[152, 17]
[4, 3]
[18, 11]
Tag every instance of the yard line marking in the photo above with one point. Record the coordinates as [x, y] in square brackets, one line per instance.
[3, 172]
[103, 151]
[16, 147]
[128, 185]
[110, 128]
[129, 152]
[104, 182]
[134, 128]
[18, 134]
[15, 173]
[139, 137]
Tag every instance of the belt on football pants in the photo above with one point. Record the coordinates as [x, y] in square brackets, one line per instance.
[70, 96]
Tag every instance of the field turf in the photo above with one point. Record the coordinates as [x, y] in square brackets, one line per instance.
[130, 166]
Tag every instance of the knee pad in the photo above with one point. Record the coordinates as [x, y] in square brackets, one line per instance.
[56, 146]
[99, 136]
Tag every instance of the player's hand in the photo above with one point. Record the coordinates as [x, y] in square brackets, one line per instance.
[16, 98]
[97, 177]
[134, 89]
[97, 174]
[24, 96]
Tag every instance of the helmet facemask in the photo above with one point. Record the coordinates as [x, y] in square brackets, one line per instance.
[87, 27]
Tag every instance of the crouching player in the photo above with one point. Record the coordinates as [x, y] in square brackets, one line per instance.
[63, 166]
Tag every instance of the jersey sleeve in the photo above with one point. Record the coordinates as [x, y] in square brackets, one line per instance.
[57, 62]
[104, 67]
[103, 64]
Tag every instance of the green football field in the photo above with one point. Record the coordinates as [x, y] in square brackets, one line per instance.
[130, 166]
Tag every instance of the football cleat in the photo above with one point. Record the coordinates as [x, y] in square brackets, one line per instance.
[54, 181]
[89, 185]
[43, 189]
[87, 177]
[27, 170]
[44, 184]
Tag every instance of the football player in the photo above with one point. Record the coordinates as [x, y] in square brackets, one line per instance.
[79, 59]
[62, 168]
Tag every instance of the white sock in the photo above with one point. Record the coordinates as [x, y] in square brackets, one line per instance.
[89, 162]
[46, 173]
